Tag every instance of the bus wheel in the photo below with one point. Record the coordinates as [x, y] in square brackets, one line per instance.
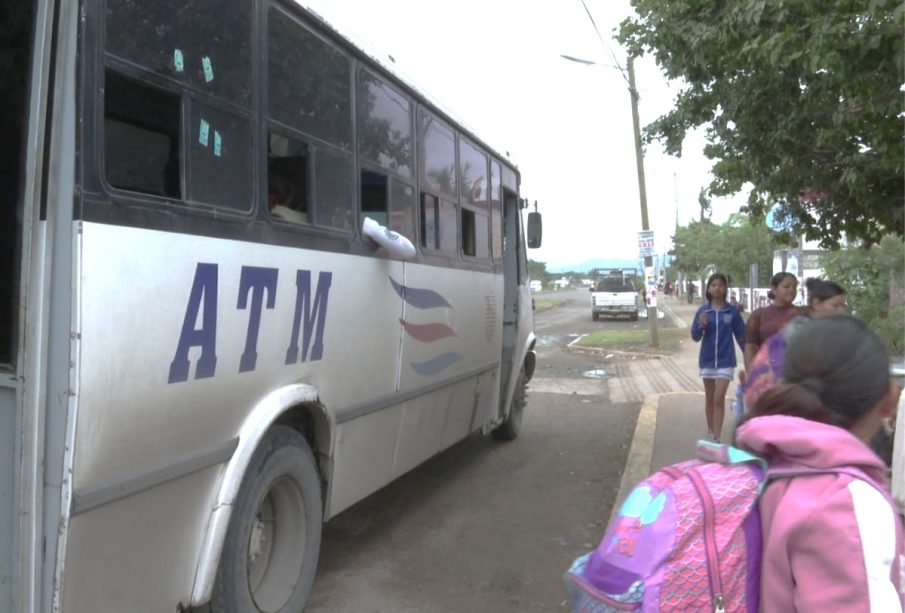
[273, 541]
[509, 429]
[595, 316]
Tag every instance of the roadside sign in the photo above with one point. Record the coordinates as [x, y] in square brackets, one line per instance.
[646, 244]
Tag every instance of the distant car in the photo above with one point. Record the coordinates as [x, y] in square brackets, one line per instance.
[535, 286]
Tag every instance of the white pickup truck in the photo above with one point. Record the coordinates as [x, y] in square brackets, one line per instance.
[614, 295]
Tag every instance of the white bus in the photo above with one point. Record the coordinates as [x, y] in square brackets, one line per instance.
[203, 355]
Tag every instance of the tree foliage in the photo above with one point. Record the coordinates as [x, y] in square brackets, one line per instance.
[874, 278]
[801, 101]
[730, 248]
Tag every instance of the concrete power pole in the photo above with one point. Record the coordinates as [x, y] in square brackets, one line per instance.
[642, 192]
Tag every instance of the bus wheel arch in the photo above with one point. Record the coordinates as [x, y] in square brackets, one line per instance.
[270, 551]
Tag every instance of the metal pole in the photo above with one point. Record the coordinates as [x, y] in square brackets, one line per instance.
[642, 192]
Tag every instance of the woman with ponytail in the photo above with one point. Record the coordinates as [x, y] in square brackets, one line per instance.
[832, 535]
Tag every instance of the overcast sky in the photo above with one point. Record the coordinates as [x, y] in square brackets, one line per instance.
[496, 66]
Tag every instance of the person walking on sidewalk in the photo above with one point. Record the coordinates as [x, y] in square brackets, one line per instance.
[715, 324]
[832, 539]
[825, 298]
[766, 321]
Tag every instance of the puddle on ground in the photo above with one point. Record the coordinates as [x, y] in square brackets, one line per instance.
[597, 373]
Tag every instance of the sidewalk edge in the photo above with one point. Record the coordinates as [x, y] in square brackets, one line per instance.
[641, 453]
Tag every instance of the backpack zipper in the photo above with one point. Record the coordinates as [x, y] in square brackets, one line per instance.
[710, 549]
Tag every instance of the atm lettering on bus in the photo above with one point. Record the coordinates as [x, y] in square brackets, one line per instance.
[255, 283]
[203, 298]
[308, 317]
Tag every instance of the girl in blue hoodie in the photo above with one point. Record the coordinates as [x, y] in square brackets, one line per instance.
[715, 324]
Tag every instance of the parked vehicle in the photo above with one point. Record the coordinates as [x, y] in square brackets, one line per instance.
[614, 294]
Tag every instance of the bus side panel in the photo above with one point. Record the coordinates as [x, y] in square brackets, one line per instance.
[451, 326]
[170, 369]
[462, 309]
[8, 464]
[138, 553]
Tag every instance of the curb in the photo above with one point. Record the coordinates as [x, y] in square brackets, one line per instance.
[640, 454]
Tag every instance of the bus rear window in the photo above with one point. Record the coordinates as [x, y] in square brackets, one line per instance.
[141, 137]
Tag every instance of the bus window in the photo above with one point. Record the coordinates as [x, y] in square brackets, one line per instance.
[384, 124]
[205, 47]
[496, 211]
[374, 196]
[448, 226]
[429, 206]
[474, 195]
[220, 158]
[402, 209]
[287, 179]
[308, 87]
[141, 137]
[333, 196]
[438, 166]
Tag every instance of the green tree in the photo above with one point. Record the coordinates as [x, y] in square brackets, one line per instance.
[730, 248]
[801, 101]
[538, 270]
[875, 280]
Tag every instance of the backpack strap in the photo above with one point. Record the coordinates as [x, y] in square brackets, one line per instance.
[726, 454]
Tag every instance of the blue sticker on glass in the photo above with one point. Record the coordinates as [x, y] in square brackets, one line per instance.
[178, 61]
[203, 132]
[208, 69]
[217, 143]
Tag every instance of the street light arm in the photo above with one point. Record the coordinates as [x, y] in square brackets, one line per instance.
[577, 59]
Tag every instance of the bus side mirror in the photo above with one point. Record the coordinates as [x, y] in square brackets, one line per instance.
[535, 230]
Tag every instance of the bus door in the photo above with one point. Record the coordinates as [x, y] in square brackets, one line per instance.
[516, 323]
[37, 170]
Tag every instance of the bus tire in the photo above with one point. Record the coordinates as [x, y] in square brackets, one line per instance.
[273, 541]
[509, 429]
[595, 316]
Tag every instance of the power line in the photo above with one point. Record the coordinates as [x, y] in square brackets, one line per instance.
[606, 46]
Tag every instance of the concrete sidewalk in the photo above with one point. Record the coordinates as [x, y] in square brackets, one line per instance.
[671, 423]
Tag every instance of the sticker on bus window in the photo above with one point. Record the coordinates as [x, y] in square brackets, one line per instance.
[217, 143]
[208, 69]
[203, 132]
[178, 61]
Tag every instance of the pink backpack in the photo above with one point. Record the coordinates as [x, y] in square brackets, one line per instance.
[687, 538]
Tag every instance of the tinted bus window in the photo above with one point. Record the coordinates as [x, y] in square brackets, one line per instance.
[496, 211]
[220, 158]
[333, 190]
[384, 124]
[205, 43]
[402, 209]
[309, 87]
[448, 226]
[473, 171]
[438, 166]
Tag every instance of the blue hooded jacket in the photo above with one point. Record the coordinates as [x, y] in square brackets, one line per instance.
[716, 347]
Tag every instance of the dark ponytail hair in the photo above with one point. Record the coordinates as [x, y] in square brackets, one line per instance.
[776, 280]
[710, 279]
[835, 371]
[820, 289]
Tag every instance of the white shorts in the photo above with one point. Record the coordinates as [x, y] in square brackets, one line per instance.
[718, 373]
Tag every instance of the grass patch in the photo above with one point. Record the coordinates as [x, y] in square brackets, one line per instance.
[637, 339]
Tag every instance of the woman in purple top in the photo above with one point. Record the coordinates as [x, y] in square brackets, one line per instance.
[767, 321]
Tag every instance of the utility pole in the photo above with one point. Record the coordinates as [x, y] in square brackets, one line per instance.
[642, 192]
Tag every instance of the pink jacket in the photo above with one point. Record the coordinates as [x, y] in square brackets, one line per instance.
[833, 541]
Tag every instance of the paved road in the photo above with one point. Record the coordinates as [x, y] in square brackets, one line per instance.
[490, 526]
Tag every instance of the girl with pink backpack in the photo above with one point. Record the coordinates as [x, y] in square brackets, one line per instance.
[832, 536]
